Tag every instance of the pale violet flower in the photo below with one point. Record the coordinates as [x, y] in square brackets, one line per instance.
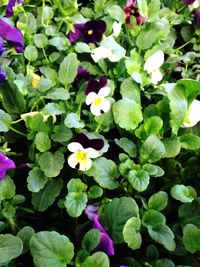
[193, 115]
[97, 101]
[116, 28]
[84, 149]
[110, 49]
[153, 64]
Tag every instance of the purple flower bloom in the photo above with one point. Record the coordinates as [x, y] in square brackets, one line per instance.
[188, 2]
[106, 244]
[2, 75]
[123, 266]
[131, 9]
[2, 49]
[197, 18]
[82, 73]
[82, 139]
[12, 35]
[11, 4]
[95, 86]
[90, 32]
[5, 164]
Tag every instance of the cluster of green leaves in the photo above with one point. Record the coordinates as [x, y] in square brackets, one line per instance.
[146, 178]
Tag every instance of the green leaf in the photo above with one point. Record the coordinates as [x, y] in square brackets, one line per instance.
[51, 249]
[172, 147]
[46, 197]
[178, 105]
[82, 48]
[58, 94]
[25, 235]
[116, 214]
[152, 149]
[45, 85]
[191, 238]
[10, 247]
[190, 141]
[36, 180]
[73, 121]
[68, 69]
[192, 88]
[147, 38]
[127, 145]
[7, 188]
[95, 191]
[105, 173]
[190, 212]
[42, 142]
[53, 109]
[153, 170]
[130, 89]
[153, 8]
[75, 203]
[153, 125]
[31, 53]
[98, 259]
[166, 263]
[127, 113]
[116, 13]
[48, 14]
[131, 233]
[62, 134]
[13, 100]
[5, 121]
[51, 163]
[182, 193]
[59, 43]
[91, 239]
[158, 201]
[153, 218]
[139, 179]
[76, 185]
[162, 234]
[40, 40]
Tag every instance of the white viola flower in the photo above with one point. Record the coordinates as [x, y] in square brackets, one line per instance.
[81, 157]
[194, 5]
[98, 102]
[193, 115]
[153, 64]
[116, 28]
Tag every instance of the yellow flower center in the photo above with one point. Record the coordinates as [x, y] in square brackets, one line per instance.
[154, 71]
[81, 156]
[98, 101]
[90, 32]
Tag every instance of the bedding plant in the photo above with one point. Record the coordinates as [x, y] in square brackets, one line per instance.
[100, 133]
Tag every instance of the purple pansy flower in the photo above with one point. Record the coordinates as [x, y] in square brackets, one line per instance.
[123, 266]
[2, 49]
[2, 75]
[82, 73]
[91, 31]
[131, 9]
[83, 150]
[12, 35]
[197, 18]
[5, 164]
[188, 2]
[11, 4]
[106, 244]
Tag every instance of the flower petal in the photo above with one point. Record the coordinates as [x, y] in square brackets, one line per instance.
[90, 98]
[154, 61]
[74, 147]
[91, 210]
[72, 161]
[92, 152]
[2, 174]
[156, 76]
[104, 91]
[106, 244]
[193, 116]
[100, 52]
[95, 110]
[2, 75]
[86, 165]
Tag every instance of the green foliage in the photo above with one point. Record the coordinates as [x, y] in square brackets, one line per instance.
[7, 188]
[191, 240]
[91, 239]
[131, 233]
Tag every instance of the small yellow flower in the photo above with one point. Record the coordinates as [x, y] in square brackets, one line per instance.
[35, 80]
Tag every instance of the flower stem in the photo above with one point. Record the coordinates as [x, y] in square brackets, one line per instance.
[180, 47]
[16, 131]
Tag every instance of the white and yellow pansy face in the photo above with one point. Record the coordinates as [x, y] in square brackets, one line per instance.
[194, 5]
[156, 76]
[193, 115]
[97, 101]
[81, 157]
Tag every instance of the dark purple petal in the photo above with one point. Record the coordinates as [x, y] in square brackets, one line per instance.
[189, 2]
[20, 1]
[12, 35]
[123, 266]
[2, 49]
[9, 10]
[106, 245]
[75, 36]
[140, 20]
[5, 164]
[90, 211]
[2, 75]
[97, 224]
[95, 86]
[82, 73]
[82, 139]
[197, 18]
[94, 31]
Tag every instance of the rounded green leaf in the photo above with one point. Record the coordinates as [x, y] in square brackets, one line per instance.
[31, 53]
[75, 203]
[127, 113]
[172, 147]
[10, 247]
[51, 249]
[7, 188]
[139, 179]
[131, 233]
[40, 40]
[73, 121]
[153, 218]
[36, 180]
[95, 191]
[76, 185]
[91, 239]
[153, 125]
[25, 235]
[191, 238]
[98, 259]
[190, 141]
[182, 193]
[158, 201]
[42, 142]
[51, 163]
[5, 121]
